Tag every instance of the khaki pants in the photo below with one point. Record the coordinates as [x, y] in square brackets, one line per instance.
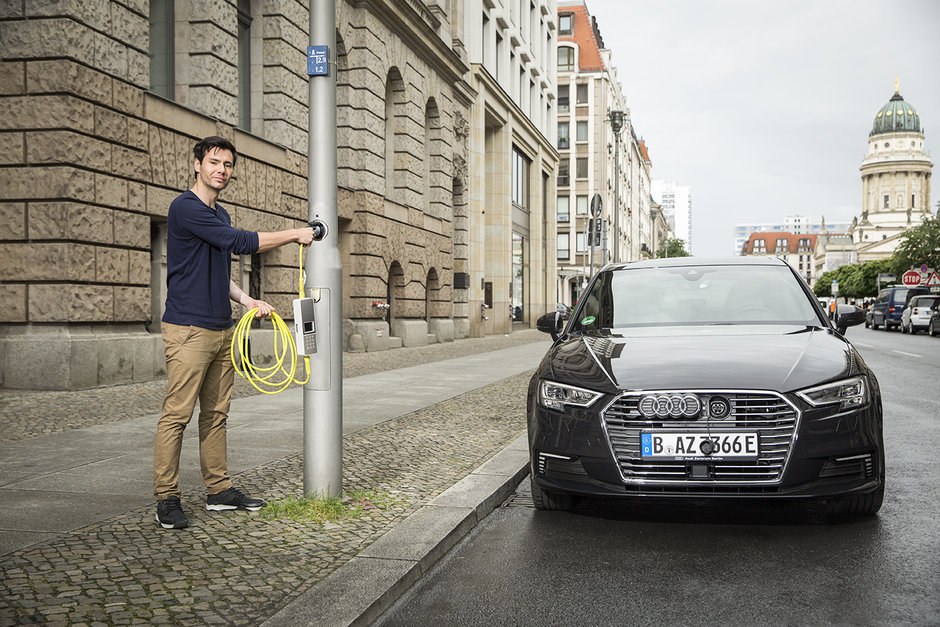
[199, 366]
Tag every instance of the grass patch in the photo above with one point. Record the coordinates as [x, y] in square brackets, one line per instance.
[328, 509]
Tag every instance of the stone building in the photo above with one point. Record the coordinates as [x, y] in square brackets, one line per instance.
[600, 154]
[794, 248]
[103, 101]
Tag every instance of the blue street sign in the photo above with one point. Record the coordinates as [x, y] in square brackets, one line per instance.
[317, 64]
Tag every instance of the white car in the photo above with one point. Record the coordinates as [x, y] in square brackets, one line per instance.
[916, 316]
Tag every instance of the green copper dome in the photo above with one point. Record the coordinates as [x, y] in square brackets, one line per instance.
[895, 117]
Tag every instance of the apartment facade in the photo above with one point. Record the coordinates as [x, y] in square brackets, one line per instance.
[676, 202]
[603, 196]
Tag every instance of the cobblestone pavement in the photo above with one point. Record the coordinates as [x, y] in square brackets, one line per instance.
[26, 414]
[237, 567]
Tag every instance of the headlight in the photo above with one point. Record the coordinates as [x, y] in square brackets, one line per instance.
[849, 393]
[557, 395]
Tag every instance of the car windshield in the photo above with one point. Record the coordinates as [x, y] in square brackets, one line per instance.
[695, 295]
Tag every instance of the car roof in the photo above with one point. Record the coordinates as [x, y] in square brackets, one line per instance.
[679, 262]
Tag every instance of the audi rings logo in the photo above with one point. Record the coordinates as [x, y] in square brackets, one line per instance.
[670, 405]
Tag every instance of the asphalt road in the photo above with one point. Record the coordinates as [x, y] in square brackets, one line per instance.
[740, 564]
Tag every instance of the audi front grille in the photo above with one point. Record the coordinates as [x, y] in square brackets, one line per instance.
[768, 413]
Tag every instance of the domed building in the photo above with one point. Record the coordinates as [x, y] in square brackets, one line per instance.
[895, 180]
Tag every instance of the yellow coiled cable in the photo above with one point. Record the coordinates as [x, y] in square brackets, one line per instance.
[284, 347]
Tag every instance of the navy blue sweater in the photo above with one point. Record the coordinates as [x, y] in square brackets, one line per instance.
[200, 243]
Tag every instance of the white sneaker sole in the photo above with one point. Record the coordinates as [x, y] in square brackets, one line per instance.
[166, 526]
[223, 508]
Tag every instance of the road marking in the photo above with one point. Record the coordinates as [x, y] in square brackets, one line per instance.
[909, 354]
[863, 345]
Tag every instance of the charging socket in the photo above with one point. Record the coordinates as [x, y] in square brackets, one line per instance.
[305, 326]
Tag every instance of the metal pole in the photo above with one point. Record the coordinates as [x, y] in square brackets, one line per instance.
[323, 393]
[616, 234]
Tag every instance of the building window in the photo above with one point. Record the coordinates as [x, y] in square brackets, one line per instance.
[804, 246]
[499, 53]
[582, 205]
[579, 242]
[520, 178]
[581, 168]
[783, 246]
[760, 246]
[582, 93]
[486, 35]
[565, 59]
[244, 64]
[565, 23]
[563, 246]
[563, 202]
[913, 203]
[562, 135]
[563, 173]
[162, 49]
[563, 99]
[886, 201]
[582, 131]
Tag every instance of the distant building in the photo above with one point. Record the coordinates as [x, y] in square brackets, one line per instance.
[599, 154]
[895, 190]
[676, 201]
[791, 224]
[794, 248]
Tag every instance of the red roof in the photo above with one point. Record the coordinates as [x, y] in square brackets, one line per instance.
[769, 247]
[589, 54]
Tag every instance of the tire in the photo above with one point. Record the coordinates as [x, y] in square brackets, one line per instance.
[857, 504]
[550, 501]
[867, 323]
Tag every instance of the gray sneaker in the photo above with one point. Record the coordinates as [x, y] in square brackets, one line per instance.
[170, 513]
[232, 499]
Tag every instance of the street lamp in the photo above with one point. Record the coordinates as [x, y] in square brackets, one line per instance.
[616, 124]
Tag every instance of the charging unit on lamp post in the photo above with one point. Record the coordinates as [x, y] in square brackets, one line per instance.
[323, 393]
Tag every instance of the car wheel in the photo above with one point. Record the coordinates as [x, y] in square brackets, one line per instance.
[867, 323]
[550, 501]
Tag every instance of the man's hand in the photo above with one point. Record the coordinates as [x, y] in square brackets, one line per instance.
[264, 309]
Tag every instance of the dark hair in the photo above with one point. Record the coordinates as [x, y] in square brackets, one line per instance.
[203, 146]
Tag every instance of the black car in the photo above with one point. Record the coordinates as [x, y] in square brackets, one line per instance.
[694, 378]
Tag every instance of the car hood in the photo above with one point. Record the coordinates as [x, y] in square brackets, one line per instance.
[758, 357]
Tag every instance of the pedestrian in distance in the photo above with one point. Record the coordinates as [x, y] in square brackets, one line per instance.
[198, 328]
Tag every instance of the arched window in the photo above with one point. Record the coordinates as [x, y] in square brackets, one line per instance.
[432, 149]
[396, 290]
[394, 103]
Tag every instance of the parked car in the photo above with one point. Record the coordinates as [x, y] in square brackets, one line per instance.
[916, 316]
[687, 378]
[933, 327]
[887, 308]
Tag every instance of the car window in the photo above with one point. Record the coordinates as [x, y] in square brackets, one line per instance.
[900, 295]
[696, 295]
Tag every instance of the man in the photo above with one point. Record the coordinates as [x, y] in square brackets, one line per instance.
[198, 329]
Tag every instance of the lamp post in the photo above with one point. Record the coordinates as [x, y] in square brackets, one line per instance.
[616, 124]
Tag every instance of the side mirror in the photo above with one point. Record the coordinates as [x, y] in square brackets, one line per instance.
[848, 316]
[550, 323]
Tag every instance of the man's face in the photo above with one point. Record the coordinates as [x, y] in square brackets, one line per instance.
[216, 168]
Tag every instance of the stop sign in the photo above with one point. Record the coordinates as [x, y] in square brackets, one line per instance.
[911, 278]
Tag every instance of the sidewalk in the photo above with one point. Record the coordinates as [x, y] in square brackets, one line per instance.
[442, 440]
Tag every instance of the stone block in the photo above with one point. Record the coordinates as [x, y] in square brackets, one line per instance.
[12, 148]
[412, 332]
[159, 199]
[116, 361]
[131, 229]
[111, 124]
[139, 267]
[111, 191]
[68, 220]
[12, 302]
[131, 304]
[111, 265]
[70, 303]
[12, 76]
[47, 37]
[137, 197]
[131, 28]
[128, 98]
[138, 135]
[110, 55]
[67, 147]
[375, 334]
[59, 75]
[58, 110]
[461, 328]
[443, 328]
[32, 262]
[12, 220]
[58, 182]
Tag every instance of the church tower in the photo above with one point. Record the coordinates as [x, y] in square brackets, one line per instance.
[895, 180]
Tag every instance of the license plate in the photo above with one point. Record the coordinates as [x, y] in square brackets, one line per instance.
[698, 446]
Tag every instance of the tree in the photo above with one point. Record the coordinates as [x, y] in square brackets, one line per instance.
[920, 245]
[672, 247]
[856, 280]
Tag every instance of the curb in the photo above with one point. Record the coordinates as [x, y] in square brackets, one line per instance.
[363, 588]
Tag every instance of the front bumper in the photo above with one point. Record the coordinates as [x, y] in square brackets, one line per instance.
[824, 454]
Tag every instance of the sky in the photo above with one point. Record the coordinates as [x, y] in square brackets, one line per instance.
[763, 107]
